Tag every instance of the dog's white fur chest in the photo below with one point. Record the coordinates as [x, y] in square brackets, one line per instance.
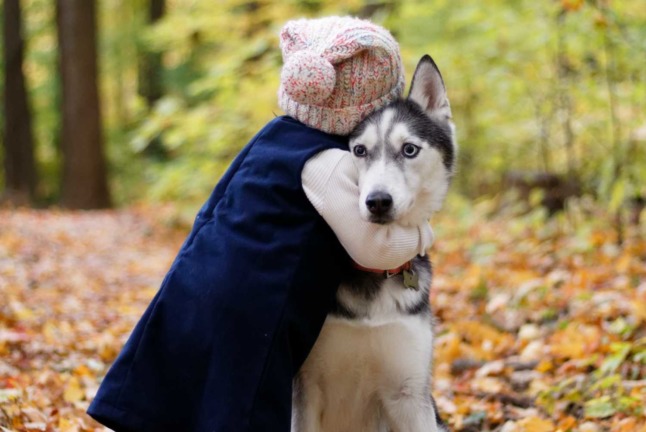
[360, 371]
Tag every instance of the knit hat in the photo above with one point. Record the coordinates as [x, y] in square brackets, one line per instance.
[336, 71]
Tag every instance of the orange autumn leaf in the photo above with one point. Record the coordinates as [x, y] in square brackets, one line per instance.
[575, 341]
[483, 337]
[566, 423]
[572, 5]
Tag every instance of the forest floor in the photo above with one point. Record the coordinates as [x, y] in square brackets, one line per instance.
[541, 323]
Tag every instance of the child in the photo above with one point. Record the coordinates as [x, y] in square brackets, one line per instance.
[245, 299]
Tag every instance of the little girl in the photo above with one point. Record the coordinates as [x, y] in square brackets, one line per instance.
[245, 299]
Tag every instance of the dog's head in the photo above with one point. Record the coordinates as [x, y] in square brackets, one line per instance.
[405, 152]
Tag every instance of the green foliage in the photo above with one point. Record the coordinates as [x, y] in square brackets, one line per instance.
[222, 71]
[603, 393]
[554, 86]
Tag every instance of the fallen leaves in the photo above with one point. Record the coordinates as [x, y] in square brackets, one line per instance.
[574, 341]
[73, 391]
[534, 424]
[541, 323]
[72, 286]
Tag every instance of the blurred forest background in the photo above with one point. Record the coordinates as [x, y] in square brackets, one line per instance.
[547, 95]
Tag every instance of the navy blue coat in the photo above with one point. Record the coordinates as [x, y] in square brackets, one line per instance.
[241, 305]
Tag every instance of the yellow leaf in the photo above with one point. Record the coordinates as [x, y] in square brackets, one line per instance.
[473, 275]
[487, 384]
[447, 348]
[639, 309]
[545, 366]
[575, 341]
[623, 263]
[50, 332]
[535, 424]
[73, 391]
[482, 337]
[21, 312]
[65, 425]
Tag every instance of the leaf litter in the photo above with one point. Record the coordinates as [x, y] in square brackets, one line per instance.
[541, 322]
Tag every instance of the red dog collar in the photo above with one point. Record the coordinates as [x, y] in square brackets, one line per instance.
[386, 273]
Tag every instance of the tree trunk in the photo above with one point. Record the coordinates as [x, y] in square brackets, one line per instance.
[84, 170]
[19, 166]
[150, 65]
[563, 72]
[150, 84]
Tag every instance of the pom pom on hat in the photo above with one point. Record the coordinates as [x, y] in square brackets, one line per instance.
[308, 78]
[337, 70]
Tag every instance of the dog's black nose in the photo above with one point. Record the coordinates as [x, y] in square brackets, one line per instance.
[379, 203]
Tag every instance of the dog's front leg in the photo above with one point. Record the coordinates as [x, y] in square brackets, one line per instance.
[409, 409]
[307, 401]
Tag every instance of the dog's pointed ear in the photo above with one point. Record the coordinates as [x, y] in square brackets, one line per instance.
[427, 89]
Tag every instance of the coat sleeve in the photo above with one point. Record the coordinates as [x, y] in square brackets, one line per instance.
[330, 181]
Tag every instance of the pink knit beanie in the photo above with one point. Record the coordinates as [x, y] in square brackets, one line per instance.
[336, 71]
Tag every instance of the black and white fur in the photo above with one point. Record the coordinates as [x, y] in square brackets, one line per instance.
[370, 369]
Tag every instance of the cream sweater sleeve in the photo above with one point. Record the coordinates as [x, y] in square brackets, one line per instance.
[330, 181]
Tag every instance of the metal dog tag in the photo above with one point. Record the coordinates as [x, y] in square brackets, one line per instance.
[411, 280]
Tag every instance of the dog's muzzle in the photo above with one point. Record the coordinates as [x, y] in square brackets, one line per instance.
[379, 203]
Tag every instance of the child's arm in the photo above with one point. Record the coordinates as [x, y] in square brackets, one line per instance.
[330, 183]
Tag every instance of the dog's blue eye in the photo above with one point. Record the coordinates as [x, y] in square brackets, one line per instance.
[410, 150]
[360, 151]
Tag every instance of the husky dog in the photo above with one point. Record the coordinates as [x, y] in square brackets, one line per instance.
[370, 368]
